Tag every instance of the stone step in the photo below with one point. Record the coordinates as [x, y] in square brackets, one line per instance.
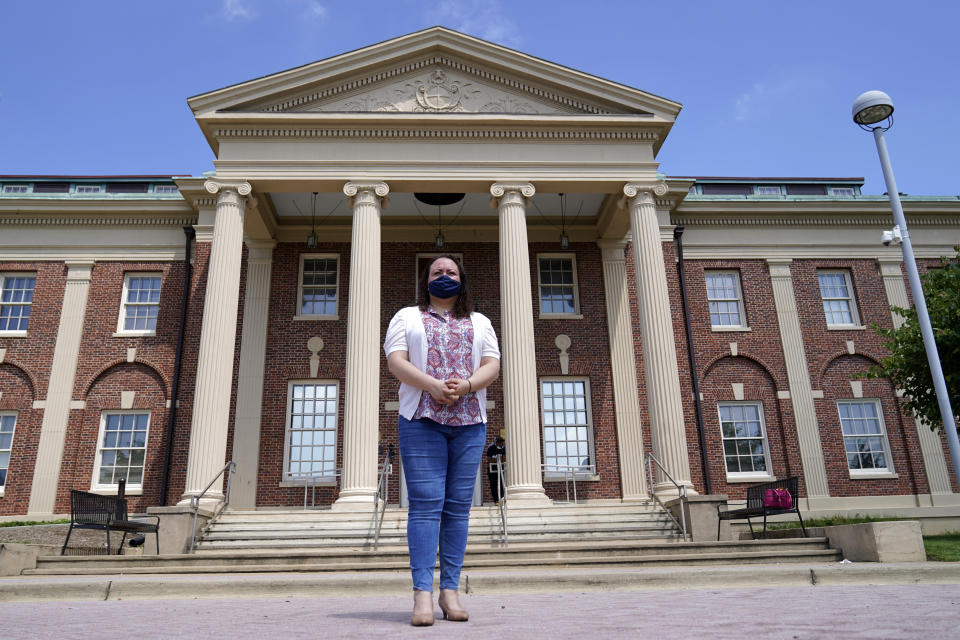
[362, 537]
[611, 555]
[287, 530]
[396, 523]
[324, 515]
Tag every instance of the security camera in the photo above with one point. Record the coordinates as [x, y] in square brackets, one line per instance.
[891, 237]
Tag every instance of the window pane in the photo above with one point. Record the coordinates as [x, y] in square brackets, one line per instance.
[744, 444]
[315, 420]
[862, 429]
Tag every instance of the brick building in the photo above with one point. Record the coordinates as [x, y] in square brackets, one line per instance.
[155, 327]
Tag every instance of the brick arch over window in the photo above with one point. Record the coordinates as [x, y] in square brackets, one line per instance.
[832, 360]
[759, 385]
[18, 370]
[104, 394]
[157, 372]
[900, 430]
[18, 387]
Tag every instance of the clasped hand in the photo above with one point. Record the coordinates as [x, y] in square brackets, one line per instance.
[448, 391]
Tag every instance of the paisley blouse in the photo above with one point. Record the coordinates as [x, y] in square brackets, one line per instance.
[449, 355]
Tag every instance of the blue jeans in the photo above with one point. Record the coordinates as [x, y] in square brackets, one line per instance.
[440, 466]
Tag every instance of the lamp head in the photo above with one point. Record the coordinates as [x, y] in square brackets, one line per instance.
[872, 107]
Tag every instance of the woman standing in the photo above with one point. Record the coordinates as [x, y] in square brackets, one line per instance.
[445, 355]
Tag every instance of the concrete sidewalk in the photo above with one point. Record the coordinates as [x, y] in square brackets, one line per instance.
[905, 611]
[477, 582]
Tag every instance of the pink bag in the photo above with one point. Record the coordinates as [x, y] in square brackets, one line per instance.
[777, 499]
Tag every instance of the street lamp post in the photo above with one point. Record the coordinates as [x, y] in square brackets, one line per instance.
[869, 109]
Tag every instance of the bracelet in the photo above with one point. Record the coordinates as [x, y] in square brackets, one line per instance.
[470, 390]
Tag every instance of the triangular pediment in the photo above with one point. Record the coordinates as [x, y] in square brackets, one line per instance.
[435, 84]
[434, 71]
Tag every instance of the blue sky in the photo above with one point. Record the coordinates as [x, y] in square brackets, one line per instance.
[100, 87]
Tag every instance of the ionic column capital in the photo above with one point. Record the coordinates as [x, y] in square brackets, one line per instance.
[225, 187]
[504, 192]
[367, 191]
[645, 192]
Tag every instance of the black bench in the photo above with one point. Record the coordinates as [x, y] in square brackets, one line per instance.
[757, 505]
[109, 513]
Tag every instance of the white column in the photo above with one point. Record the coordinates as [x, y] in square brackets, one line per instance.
[361, 413]
[930, 446]
[626, 400]
[521, 419]
[253, 349]
[56, 407]
[668, 434]
[218, 332]
[798, 377]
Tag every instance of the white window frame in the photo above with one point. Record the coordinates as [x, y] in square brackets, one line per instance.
[121, 331]
[88, 189]
[772, 190]
[131, 488]
[287, 479]
[8, 451]
[16, 188]
[843, 192]
[572, 257]
[13, 333]
[746, 476]
[740, 305]
[166, 188]
[316, 316]
[557, 476]
[854, 313]
[885, 472]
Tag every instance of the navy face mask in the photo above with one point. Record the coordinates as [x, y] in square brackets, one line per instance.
[444, 287]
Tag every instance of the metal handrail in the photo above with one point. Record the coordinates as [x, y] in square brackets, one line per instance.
[230, 468]
[570, 473]
[502, 502]
[383, 492]
[681, 492]
[309, 479]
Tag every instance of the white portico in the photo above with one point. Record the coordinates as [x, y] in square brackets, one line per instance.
[432, 112]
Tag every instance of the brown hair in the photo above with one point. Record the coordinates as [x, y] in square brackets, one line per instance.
[463, 306]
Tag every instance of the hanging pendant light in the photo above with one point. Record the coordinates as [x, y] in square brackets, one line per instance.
[564, 239]
[439, 200]
[312, 242]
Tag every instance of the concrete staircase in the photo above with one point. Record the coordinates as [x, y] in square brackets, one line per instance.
[557, 537]
[251, 530]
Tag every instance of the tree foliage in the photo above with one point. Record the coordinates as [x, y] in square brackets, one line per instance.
[907, 364]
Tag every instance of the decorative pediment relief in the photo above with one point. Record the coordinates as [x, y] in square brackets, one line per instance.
[438, 84]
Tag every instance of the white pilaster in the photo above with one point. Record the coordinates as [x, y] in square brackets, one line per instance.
[218, 332]
[253, 349]
[798, 377]
[667, 430]
[938, 477]
[361, 415]
[626, 401]
[521, 420]
[56, 412]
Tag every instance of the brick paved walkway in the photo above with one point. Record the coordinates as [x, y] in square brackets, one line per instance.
[921, 611]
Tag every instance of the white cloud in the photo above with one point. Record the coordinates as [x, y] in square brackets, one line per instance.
[482, 18]
[315, 10]
[775, 96]
[237, 10]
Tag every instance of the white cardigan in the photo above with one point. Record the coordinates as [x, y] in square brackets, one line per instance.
[407, 333]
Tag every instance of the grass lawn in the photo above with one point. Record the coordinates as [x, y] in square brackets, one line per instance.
[943, 548]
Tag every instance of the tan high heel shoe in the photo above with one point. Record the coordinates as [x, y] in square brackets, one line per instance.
[422, 609]
[449, 602]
